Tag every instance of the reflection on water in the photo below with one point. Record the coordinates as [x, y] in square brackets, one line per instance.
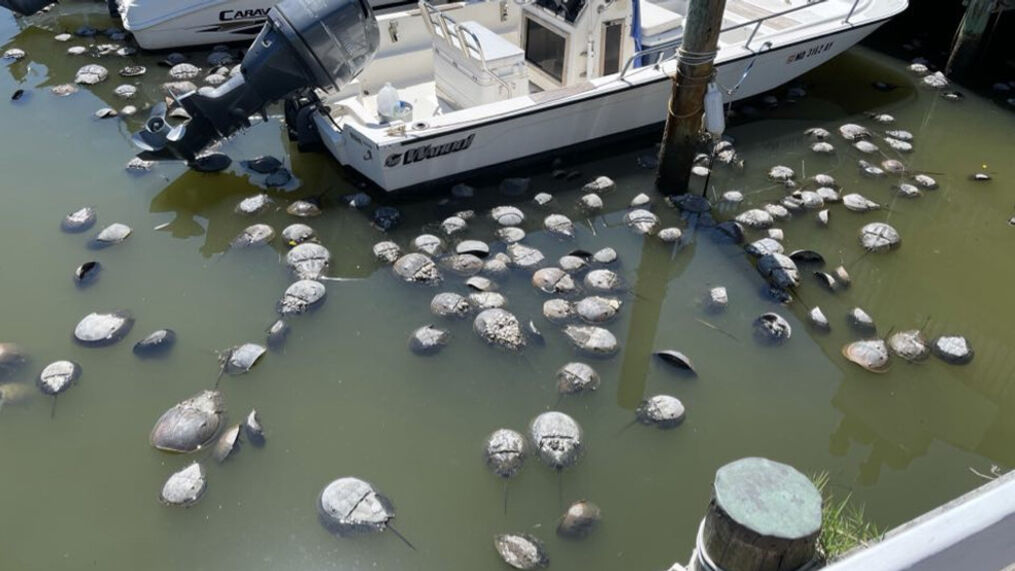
[346, 397]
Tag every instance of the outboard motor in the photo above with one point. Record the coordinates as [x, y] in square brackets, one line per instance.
[25, 7]
[304, 43]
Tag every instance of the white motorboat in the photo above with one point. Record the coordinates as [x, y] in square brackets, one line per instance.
[480, 84]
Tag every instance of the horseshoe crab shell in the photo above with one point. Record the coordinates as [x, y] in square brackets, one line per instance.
[878, 237]
[954, 349]
[870, 354]
[521, 551]
[755, 218]
[499, 327]
[772, 327]
[559, 224]
[185, 487]
[553, 281]
[575, 378]
[579, 520]
[677, 359]
[505, 452]
[779, 270]
[190, 424]
[448, 304]
[859, 203]
[428, 340]
[557, 438]
[525, 257]
[596, 309]
[592, 340]
[301, 297]
[254, 235]
[308, 261]
[603, 280]
[641, 221]
[507, 215]
[156, 343]
[350, 506]
[79, 220]
[58, 377]
[227, 444]
[240, 359]
[662, 411]
[909, 345]
[418, 268]
[97, 329]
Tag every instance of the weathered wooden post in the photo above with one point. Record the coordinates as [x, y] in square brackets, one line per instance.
[967, 37]
[694, 69]
[764, 516]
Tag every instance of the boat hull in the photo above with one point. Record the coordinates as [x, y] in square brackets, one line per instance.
[610, 112]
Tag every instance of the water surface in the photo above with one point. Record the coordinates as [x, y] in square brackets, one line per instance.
[347, 397]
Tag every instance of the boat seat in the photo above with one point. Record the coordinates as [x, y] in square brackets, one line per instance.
[656, 20]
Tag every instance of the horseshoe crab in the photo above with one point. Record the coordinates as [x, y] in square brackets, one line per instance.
[670, 235]
[661, 411]
[818, 318]
[521, 551]
[428, 340]
[717, 299]
[779, 270]
[241, 358]
[755, 218]
[597, 309]
[592, 340]
[559, 224]
[227, 444]
[428, 244]
[859, 203]
[853, 132]
[112, 234]
[276, 334]
[308, 261]
[253, 204]
[910, 345]
[572, 264]
[599, 185]
[524, 257]
[954, 349]
[255, 235]
[505, 452]
[557, 438]
[605, 256]
[349, 506]
[510, 234]
[182, 71]
[590, 203]
[87, 273]
[641, 221]
[677, 359]
[487, 300]
[185, 487]
[301, 208]
[828, 194]
[764, 247]
[861, 320]
[447, 304]
[97, 329]
[476, 248]
[558, 310]
[78, 221]
[907, 190]
[91, 74]
[772, 327]
[58, 376]
[507, 215]
[925, 181]
[499, 327]
[301, 297]
[603, 280]
[253, 429]
[453, 225]
[579, 520]
[156, 343]
[870, 354]
[387, 252]
[780, 173]
[878, 237]
[463, 264]
[553, 281]
[574, 378]
[190, 424]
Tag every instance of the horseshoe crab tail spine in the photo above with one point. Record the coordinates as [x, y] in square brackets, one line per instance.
[560, 488]
[506, 482]
[399, 535]
[556, 403]
[626, 426]
[52, 409]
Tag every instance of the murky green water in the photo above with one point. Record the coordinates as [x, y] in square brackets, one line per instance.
[348, 398]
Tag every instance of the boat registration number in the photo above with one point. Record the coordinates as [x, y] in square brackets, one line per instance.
[803, 54]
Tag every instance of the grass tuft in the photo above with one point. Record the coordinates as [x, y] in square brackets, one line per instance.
[843, 525]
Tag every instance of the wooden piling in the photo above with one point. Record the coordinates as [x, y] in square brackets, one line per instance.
[966, 45]
[763, 516]
[685, 107]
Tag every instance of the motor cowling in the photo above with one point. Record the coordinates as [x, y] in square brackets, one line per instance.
[25, 7]
[304, 44]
